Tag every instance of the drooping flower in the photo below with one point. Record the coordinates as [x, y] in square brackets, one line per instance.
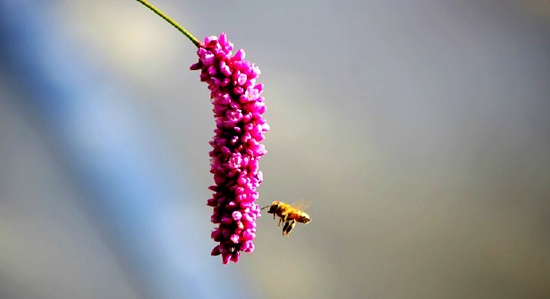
[236, 145]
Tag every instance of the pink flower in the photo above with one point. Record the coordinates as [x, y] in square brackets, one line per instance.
[236, 147]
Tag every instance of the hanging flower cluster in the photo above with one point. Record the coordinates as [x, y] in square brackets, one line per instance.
[240, 127]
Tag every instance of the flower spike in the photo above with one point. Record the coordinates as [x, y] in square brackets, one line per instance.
[236, 146]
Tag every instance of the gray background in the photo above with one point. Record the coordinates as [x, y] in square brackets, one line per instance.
[418, 129]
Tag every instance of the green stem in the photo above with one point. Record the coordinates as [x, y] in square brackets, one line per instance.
[193, 39]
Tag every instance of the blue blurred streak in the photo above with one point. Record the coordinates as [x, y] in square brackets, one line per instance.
[110, 151]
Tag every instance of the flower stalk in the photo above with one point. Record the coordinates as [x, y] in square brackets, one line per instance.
[193, 39]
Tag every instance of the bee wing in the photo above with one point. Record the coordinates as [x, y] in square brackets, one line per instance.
[301, 204]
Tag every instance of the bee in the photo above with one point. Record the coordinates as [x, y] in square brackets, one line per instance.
[289, 214]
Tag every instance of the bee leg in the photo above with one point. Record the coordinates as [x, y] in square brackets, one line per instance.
[280, 220]
[283, 219]
[285, 228]
[292, 225]
[288, 227]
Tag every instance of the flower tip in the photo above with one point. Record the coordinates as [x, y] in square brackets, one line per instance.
[216, 251]
[235, 256]
[240, 55]
[225, 258]
[195, 66]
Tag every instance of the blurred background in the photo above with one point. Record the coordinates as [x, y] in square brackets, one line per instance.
[420, 132]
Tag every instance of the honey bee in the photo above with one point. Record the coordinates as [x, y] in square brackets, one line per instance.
[289, 214]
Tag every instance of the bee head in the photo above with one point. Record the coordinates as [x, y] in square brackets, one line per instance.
[306, 218]
[272, 207]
